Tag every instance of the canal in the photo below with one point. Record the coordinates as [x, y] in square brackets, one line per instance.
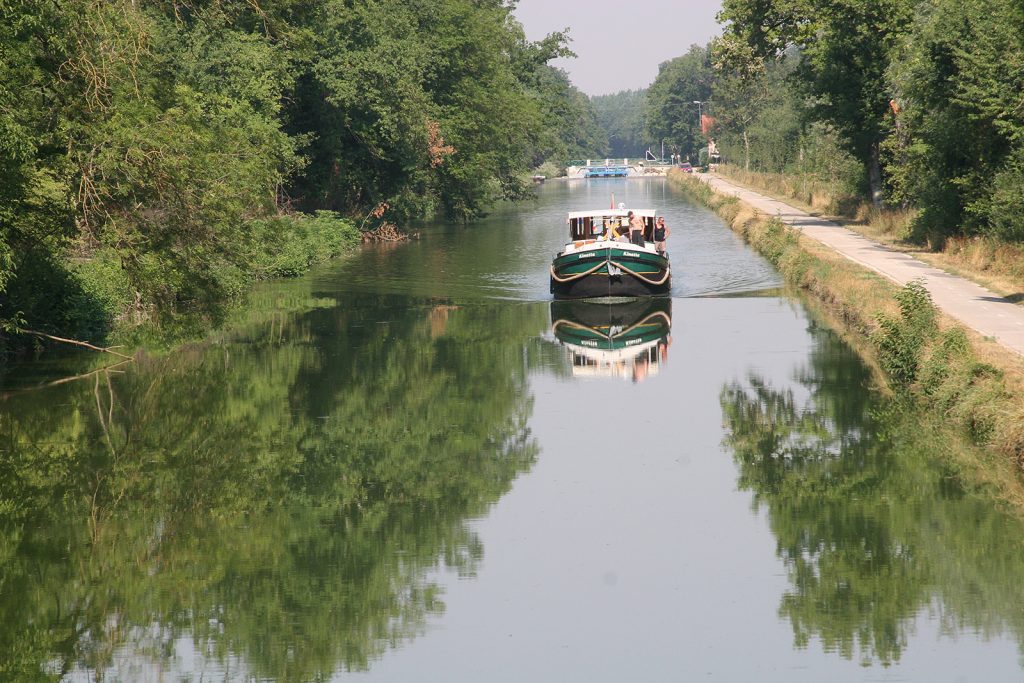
[411, 466]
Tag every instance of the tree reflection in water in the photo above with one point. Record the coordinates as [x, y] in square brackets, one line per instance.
[870, 518]
[278, 498]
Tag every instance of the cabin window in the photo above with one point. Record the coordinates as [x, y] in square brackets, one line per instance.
[591, 227]
[587, 227]
[576, 229]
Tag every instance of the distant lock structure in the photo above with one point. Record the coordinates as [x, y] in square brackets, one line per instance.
[624, 167]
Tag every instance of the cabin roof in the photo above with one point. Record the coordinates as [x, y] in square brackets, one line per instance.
[648, 213]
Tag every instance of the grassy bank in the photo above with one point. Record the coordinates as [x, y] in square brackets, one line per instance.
[970, 383]
[87, 296]
[992, 263]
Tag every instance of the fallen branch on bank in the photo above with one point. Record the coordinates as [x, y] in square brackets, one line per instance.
[104, 349]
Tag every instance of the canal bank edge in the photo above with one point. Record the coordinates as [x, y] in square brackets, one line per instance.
[969, 381]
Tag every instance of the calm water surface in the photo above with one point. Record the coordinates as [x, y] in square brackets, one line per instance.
[399, 469]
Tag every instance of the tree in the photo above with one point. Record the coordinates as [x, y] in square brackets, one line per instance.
[670, 113]
[741, 88]
[571, 128]
[144, 146]
[845, 48]
[621, 116]
[957, 78]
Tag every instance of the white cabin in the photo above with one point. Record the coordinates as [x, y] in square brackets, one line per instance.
[597, 224]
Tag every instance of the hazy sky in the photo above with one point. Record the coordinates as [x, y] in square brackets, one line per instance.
[620, 42]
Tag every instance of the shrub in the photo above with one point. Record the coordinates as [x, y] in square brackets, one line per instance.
[287, 245]
[775, 240]
[901, 341]
[947, 358]
[103, 287]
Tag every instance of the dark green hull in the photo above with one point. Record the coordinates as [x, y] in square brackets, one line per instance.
[614, 271]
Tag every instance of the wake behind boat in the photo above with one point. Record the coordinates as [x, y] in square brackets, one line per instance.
[599, 261]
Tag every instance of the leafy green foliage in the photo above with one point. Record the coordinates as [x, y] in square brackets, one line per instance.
[923, 95]
[286, 246]
[741, 88]
[164, 135]
[670, 112]
[1005, 206]
[958, 152]
[845, 48]
[621, 116]
[571, 124]
[377, 87]
[901, 342]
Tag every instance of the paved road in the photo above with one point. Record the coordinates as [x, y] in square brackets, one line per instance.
[970, 303]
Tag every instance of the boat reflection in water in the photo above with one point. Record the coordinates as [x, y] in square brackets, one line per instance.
[628, 340]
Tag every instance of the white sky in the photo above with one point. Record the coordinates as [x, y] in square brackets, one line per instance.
[620, 42]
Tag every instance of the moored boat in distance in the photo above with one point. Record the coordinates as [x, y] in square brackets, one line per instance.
[596, 264]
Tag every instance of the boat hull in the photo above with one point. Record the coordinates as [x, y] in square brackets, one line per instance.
[613, 271]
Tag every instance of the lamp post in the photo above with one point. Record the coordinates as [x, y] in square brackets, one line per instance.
[663, 150]
[700, 124]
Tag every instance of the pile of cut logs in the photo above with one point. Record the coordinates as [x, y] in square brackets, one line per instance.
[385, 232]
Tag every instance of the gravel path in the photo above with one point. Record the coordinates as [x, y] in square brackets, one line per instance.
[976, 307]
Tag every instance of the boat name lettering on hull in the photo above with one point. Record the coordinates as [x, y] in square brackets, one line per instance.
[630, 253]
[587, 255]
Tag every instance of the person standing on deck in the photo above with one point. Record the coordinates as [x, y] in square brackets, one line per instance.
[636, 229]
[661, 232]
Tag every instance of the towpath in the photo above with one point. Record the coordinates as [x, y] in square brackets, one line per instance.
[976, 307]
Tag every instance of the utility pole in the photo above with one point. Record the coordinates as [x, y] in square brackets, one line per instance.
[700, 125]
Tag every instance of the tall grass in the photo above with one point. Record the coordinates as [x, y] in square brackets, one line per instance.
[837, 197]
[887, 223]
[987, 255]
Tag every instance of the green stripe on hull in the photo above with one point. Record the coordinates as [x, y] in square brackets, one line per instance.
[617, 254]
[639, 261]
